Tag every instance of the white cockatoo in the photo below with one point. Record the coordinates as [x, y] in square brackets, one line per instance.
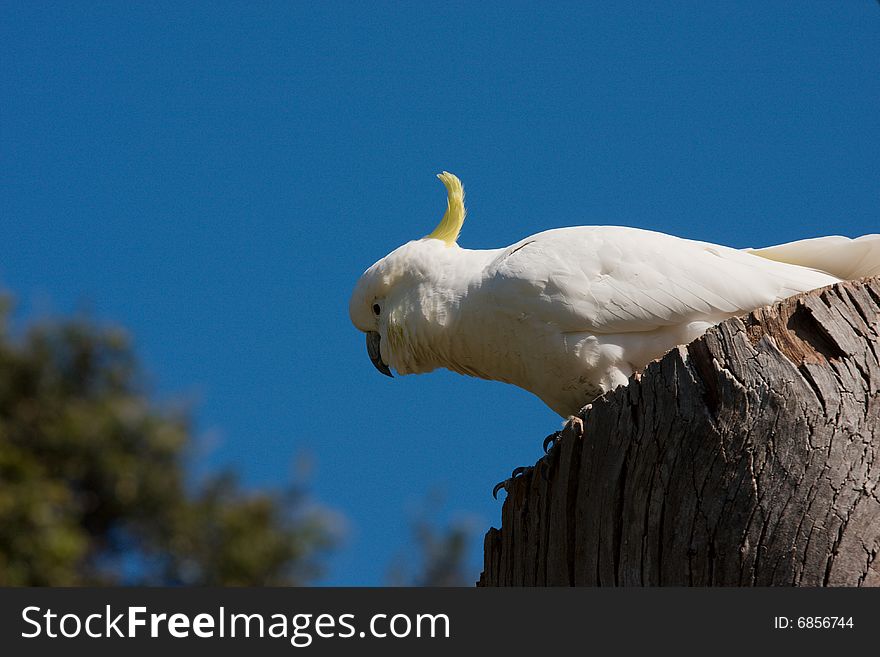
[571, 313]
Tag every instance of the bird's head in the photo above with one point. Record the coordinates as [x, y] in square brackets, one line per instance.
[397, 301]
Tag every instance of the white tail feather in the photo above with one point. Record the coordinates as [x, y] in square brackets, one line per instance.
[841, 257]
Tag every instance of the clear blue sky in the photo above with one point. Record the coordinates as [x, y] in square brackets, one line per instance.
[215, 177]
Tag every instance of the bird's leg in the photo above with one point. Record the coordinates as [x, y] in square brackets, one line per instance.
[575, 423]
[517, 472]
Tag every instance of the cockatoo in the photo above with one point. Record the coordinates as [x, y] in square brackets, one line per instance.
[571, 313]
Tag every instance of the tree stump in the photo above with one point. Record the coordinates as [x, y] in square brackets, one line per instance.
[750, 457]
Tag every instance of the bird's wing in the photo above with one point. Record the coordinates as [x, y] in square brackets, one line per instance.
[606, 279]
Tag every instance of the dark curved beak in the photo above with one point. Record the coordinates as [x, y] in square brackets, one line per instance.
[373, 340]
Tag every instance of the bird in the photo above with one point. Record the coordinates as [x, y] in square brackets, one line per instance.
[571, 313]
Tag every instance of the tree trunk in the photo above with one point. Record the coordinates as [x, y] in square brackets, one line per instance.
[750, 457]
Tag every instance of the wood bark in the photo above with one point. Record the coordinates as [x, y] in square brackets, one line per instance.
[750, 457]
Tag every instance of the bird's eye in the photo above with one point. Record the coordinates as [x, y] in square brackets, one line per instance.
[376, 309]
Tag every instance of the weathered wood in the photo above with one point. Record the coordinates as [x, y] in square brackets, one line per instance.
[751, 457]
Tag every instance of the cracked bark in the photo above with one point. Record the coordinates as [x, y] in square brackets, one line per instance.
[747, 458]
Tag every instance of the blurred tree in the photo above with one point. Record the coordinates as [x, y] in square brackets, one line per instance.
[93, 484]
[442, 550]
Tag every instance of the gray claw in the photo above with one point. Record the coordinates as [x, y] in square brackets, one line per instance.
[517, 472]
[550, 441]
[520, 471]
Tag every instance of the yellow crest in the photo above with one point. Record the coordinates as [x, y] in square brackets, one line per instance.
[452, 221]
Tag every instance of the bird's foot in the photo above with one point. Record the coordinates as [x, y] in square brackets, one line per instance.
[516, 474]
[575, 423]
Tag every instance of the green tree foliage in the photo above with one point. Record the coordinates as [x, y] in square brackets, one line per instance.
[442, 550]
[93, 483]
[444, 555]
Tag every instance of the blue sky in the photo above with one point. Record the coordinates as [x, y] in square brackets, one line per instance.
[215, 177]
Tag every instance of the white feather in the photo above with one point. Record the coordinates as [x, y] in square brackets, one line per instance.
[840, 256]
